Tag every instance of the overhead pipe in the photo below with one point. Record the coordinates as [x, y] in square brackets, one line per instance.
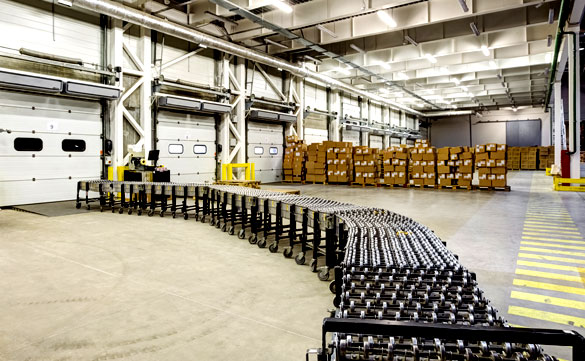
[125, 13]
[575, 85]
[563, 16]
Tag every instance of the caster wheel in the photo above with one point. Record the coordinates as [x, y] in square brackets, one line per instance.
[113, 210]
[212, 222]
[121, 211]
[273, 248]
[174, 215]
[332, 287]
[218, 224]
[253, 239]
[150, 213]
[139, 212]
[77, 205]
[242, 234]
[224, 228]
[323, 274]
[88, 207]
[130, 211]
[313, 265]
[287, 252]
[231, 231]
[202, 219]
[261, 243]
[196, 218]
[162, 213]
[101, 209]
[300, 258]
[185, 216]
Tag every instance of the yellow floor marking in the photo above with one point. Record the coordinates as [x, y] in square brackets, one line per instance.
[547, 316]
[552, 245]
[551, 266]
[531, 225]
[549, 231]
[515, 325]
[555, 301]
[547, 223]
[540, 237]
[551, 258]
[555, 215]
[546, 219]
[549, 287]
[553, 251]
[554, 276]
[553, 240]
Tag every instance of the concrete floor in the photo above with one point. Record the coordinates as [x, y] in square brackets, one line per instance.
[103, 286]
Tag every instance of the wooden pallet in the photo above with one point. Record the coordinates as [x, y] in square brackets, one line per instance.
[395, 185]
[338, 183]
[363, 185]
[501, 189]
[314, 182]
[427, 186]
[456, 187]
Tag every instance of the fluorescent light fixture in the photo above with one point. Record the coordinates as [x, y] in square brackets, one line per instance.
[493, 64]
[327, 31]
[344, 71]
[443, 70]
[463, 5]
[514, 109]
[410, 40]
[66, 2]
[485, 50]
[431, 58]
[276, 44]
[385, 17]
[384, 65]
[548, 57]
[539, 5]
[282, 6]
[549, 41]
[203, 46]
[464, 88]
[456, 81]
[551, 15]
[357, 48]
[474, 28]
[402, 76]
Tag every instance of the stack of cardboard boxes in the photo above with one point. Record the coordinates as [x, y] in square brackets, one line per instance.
[295, 155]
[423, 161]
[490, 160]
[546, 157]
[316, 163]
[366, 165]
[395, 163]
[528, 158]
[339, 162]
[513, 158]
[455, 166]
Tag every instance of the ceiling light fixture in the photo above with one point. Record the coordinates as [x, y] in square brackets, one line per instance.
[493, 64]
[474, 28]
[463, 5]
[456, 81]
[282, 6]
[402, 76]
[275, 43]
[357, 48]
[431, 58]
[485, 50]
[384, 65]
[410, 40]
[515, 109]
[65, 2]
[344, 71]
[385, 17]
[327, 31]
[551, 15]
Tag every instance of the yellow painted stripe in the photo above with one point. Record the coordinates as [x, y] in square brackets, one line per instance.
[552, 245]
[540, 219]
[542, 238]
[548, 223]
[551, 258]
[553, 240]
[553, 251]
[547, 316]
[552, 266]
[549, 215]
[553, 211]
[555, 301]
[549, 287]
[553, 276]
[515, 325]
[530, 228]
[540, 226]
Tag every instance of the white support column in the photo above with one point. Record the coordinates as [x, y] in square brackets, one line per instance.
[224, 128]
[334, 124]
[300, 88]
[559, 122]
[574, 104]
[145, 48]
[240, 110]
[117, 108]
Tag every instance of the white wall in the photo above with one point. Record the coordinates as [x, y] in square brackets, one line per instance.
[490, 128]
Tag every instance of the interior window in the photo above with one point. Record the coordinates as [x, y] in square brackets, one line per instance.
[73, 145]
[200, 149]
[175, 149]
[28, 144]
[273, 151]
[258, 150]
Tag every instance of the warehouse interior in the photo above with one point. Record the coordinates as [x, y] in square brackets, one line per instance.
[292, 179]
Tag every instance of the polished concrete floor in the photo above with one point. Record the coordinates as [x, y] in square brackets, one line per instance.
[103, 286]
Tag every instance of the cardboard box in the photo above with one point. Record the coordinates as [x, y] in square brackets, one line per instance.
[498, 155]
[466, 169]
[498, 170]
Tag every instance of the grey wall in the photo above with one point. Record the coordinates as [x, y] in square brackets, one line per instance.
[490, 128]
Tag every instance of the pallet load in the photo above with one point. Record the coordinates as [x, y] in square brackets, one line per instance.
[366, 165]
[546, 157]
[395, 162]
[528, 158]
[513, 158]
[490, 160]
[316, 163]
[293, 163]
[339, 162]
[455, 166]
[423, 159]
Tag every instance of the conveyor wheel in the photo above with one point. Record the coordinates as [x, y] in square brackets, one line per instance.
[174, 214]
[231, 231]
[121, 210]
[202, 219]
[129, 211]
[323, 274]
[88, 207]
[300, 258]
[162, 213]
[139, 212]
[242, 234]
[313, 265]
[113, 210]
[101, 208]
[262, 242]
[224, 227]
[212, 222]
[77, 205]
[150, 213]
[253, 239]
[273, 248]
[185, 216]
[218, 224]
[287, 252]
[332, 287]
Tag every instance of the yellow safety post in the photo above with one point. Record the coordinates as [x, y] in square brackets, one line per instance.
[548, 172]
[227, 170]
[558, 181]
